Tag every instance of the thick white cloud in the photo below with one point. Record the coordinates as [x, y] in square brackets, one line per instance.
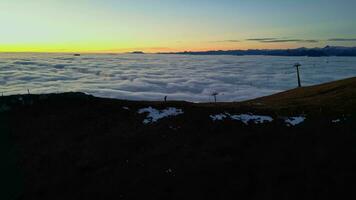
[180, 77]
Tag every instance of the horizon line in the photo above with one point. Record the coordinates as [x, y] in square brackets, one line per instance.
[162, 52]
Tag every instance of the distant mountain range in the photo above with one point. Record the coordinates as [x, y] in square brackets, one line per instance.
[311, 52]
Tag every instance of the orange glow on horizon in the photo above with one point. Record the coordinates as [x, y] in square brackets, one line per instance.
[98, 48]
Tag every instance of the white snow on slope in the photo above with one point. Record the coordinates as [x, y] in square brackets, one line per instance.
[245, 118]
[293, 121]
[154, 115]
[336, 121]
[257, 119]
[218, 117]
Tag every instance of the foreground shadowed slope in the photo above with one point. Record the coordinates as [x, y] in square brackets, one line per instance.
[75, 146]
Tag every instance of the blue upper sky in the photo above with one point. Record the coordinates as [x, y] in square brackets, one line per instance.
[159, 25]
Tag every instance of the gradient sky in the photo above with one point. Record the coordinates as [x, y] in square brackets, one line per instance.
[173, 25]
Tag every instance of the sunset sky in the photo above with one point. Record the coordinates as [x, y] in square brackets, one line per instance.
[173, 25]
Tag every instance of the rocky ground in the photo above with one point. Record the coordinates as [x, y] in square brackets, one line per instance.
[299, 144]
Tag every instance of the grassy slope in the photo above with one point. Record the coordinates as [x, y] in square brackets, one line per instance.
[74, 146]
[338, 96]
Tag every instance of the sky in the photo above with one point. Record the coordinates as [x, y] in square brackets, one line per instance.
[110, 26]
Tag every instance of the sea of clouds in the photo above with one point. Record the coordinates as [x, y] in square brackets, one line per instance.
[180, 77]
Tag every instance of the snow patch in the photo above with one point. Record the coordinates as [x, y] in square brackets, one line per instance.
[126, 108]
[293, 121]
[245, 118]
[154, 115]
[257, 119]
[336, 121]
[218, 117]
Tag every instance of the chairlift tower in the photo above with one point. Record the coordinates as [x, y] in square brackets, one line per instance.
[297, 65]
[214, 94]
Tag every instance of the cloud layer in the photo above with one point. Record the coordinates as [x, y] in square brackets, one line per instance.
[151, 77]
[276, 40]
[288, 40]
[342, 40]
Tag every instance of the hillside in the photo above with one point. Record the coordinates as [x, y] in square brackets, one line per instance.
[298, 144]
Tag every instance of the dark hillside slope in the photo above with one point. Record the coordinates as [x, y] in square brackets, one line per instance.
[339, 95]
[76, 146]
